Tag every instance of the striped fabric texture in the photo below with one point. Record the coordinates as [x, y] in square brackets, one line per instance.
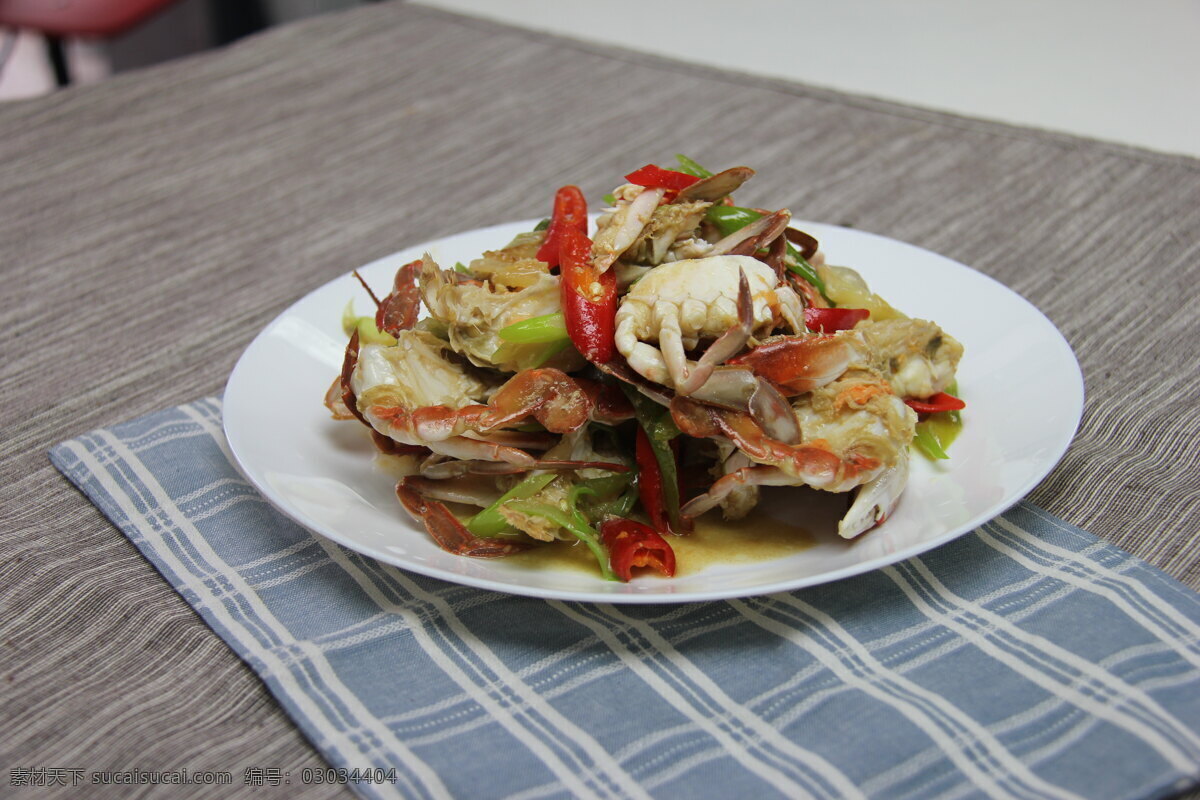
[1025, 660]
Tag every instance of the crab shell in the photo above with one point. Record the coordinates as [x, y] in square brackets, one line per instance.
[676, 305]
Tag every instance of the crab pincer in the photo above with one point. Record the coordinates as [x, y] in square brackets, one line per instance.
[398, 311]
[799, 364]
[445, 529]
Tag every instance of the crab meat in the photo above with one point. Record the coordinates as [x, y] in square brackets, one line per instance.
[921, 358]
[617, 230]
[679, 304]
[415, 393]
[474, 313]
[670, 223]
[853, 432]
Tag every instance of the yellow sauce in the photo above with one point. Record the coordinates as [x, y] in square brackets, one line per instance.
[770, 531]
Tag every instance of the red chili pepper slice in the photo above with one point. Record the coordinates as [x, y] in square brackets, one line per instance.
[631, 544]
[650, 483]
[828, 320]
[589, 298]
[570, 212]
[653, 177]
[938, 402]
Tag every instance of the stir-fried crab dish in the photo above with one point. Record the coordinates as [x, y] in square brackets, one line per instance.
[607, 384]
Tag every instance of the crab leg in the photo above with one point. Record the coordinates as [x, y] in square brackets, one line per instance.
[344, 402]
[472, 491]
[716, 187]
[445, 529]
[758, 475]
[548, 395]
[462, 448]
[799, 364]
[747, 240]
[620, 369]
[455, 468]
[812, 463]
[525, 440]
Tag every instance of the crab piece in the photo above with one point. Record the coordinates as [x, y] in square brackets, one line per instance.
[616, 231]
[474, 313]
[670, 232]
[813, 462]
[416, 393]
[398, 311]
[445, 529]
[853, 432]
[800, 364]
[514, 266]
[716, 187]
[875, 499]
[678, 304]
[921, 358]
[751, 238]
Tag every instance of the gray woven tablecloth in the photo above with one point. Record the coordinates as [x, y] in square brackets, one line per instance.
[152, 224]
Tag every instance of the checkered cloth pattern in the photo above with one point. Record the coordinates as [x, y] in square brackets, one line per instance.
[1026, 659]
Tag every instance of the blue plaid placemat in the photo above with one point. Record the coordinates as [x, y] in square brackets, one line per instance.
[1025, 660]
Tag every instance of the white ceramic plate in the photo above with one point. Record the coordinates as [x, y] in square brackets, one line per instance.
[1020, 379]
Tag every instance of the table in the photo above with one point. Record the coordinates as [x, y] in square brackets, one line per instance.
[152, 224]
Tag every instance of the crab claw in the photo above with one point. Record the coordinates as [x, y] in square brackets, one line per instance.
[875, 499]
[758, 234]
[445, 529]
[716, 187]
[549, 395]
[609, 404]
[739, 389]
[398, 311]
[799, 364]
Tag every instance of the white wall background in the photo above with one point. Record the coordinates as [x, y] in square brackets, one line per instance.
[1117, 70]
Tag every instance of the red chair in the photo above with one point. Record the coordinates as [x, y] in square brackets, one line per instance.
[59, 19]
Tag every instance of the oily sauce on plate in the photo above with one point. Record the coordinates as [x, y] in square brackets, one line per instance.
[764, 534]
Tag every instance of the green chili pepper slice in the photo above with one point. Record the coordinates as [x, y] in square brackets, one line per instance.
[660, 430]
[537, 330]
[928, 443]
[490, 522]
[691, 167]
[938, 431]
[575, 523]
